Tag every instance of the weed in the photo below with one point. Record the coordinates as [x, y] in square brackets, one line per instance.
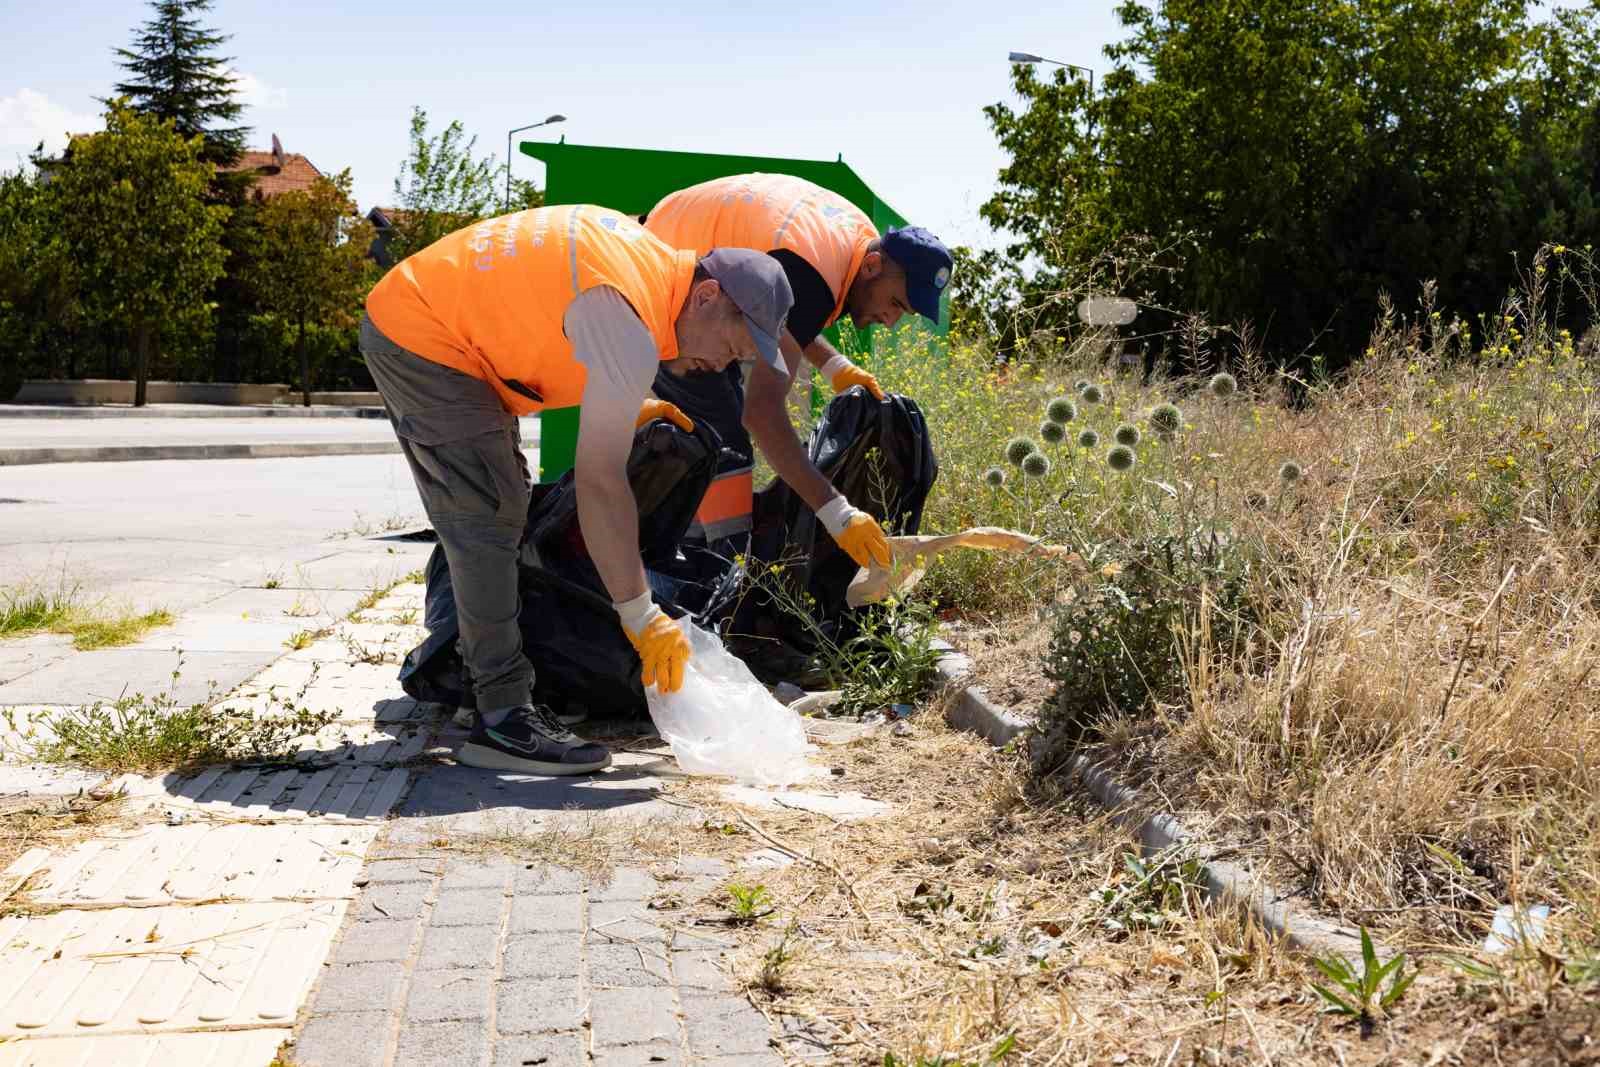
[302, 639]
[32, 612]
[29, 611]
[1160, 892]
[368, 600]
[1364, 995]
[770, 977]
[748, 903]
[95, 633]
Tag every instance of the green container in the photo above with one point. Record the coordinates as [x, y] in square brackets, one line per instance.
[633, 180]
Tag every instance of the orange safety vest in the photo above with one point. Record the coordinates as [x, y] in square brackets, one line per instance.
[767, 212]
[489, 300]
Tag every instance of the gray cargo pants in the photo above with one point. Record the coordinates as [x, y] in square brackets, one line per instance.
[465, 454]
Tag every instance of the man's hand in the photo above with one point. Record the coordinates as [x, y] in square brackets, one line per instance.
[844, 377]
[660, 409]
[856, 532]
[663, 649]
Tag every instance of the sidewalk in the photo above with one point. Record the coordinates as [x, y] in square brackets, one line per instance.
[235, 910]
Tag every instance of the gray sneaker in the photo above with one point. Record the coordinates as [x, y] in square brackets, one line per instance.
[465, 717]
[531, 740]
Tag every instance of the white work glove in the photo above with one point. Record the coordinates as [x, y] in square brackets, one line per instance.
[856, 532]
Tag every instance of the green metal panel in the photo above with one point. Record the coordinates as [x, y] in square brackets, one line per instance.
[633, 180]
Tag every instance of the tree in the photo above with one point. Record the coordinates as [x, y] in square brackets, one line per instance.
[1311, 154]
[174, 73]
[38, 283]
[145, 245]
[442, 187]
[311, 266]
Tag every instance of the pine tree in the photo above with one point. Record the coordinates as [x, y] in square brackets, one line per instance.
[174, 73]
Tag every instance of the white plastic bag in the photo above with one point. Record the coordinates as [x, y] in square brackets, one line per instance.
[723, 721]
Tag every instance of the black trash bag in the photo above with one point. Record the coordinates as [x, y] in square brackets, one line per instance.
[570, 634]
[879, 455]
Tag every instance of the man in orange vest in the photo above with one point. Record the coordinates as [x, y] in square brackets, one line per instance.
[837, 263]
[558, 306]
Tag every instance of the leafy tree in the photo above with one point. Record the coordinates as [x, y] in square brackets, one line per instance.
[312, 266]
[1308, 155]
[133, 222]
[174, 73]
[38, 283]
[442, 187]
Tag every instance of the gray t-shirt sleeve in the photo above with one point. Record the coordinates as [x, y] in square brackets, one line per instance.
[611, 341]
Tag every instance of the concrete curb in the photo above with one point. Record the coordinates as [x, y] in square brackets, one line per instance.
[195, 411]
[970, 709]
[16, 457]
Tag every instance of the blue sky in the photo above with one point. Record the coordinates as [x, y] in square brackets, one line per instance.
[897, 88]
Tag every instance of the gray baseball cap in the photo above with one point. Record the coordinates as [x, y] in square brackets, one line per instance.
[757, 285]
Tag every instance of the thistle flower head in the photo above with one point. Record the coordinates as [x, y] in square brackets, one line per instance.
[1088, 439]
[1080, 385]
[1256, 500]
[1223, 385]
[1127, 434]
[1019, 449]
[1165, 419]
[1289, 473]
[1036, 465]
[1053, 432]
[1092, 394]
[1061, 410]
[1121, 459]
[994, 477]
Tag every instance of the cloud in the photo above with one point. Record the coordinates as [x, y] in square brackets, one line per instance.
[254, 93]
[29, 117]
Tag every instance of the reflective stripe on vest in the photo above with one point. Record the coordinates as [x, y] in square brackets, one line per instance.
[726, 507]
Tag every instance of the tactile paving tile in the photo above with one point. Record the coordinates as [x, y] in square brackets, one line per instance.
[201, 861]
[386, 743]
[238, 1048]
[164, 968]
[350, 791]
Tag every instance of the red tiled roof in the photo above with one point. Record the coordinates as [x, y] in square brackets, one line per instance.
[298, 172]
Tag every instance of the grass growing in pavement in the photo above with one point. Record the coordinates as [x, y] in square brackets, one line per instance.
[30, 611]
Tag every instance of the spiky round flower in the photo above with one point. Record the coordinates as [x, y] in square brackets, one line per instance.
[1092, 394]
[1088, 439]
[994, 477]
[1061, 410]
[1256, 500]
[1036, 465]
[1121, 458]
[1127, 434]
[1053, 432]
[1165, 419]
[1289, 473]
[1019, 449]
[1223, 385]
[1080, 385]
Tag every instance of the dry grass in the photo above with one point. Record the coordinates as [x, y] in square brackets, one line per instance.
[53, 822]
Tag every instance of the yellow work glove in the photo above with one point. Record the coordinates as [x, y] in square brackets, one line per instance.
[843, 374]
[663, 648]
[661, 409]
[856, 532]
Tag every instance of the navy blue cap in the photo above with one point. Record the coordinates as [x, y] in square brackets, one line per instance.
[927, 263]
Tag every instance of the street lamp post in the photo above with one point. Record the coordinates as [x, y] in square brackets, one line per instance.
[509, 133]
[1029, 57]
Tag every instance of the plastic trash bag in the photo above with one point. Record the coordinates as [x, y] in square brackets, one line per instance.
[723, 721]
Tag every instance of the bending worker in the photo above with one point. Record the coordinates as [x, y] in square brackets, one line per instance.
[836, 263]
[557, 306]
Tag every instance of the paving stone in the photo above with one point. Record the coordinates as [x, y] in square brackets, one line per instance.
[381, 871]
[429, 1043]
[616, 920]
[546, 1050]
[543, 878]
[468, 907]
[446, 996]
[447, 947]
[544, 956]
[724, 1026]
[634, 1016]
[533, 1005]
[358, 987]
[375, 940]
[627, 883]
[697, 969]
[546, 914]
[401, 900]
[653, 1055]
[627, 965]
[692, 940]
[743, 1059]
[342, 1041]
[492, 873]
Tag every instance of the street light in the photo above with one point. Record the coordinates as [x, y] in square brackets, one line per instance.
[1029, 57]
[547, 122]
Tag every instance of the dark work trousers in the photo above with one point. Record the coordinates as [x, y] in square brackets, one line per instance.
[465, 453]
